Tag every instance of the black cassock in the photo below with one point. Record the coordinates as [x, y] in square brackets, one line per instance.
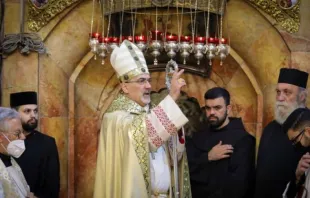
[232, 177]
[276, 163]
[40, 165]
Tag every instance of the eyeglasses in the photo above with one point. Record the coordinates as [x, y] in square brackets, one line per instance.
[16, 134]
[300, 135]
[141, 81]
[295, 139]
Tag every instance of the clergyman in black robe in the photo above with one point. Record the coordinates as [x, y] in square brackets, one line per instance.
[277, 159]
[222, 156]
[40, 161]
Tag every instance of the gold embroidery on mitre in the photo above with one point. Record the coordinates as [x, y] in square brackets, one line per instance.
[133, 73]
[141, 68]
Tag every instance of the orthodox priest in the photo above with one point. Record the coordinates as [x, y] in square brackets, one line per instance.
[40, 161]
[133, 155]
[277, 158]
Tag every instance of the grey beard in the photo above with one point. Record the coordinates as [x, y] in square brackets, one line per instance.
[282, 114]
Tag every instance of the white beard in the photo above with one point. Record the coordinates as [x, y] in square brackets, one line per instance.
[283, 110]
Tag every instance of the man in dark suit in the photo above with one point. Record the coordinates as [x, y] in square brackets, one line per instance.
[40, 161]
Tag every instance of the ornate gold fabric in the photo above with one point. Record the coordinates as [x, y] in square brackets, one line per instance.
[123, 167]
[289, 19]
[140, 145]
[122, 103]
[131, 74]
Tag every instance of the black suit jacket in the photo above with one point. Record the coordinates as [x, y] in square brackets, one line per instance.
[40, 165]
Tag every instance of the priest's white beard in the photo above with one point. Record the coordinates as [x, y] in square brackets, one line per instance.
[284, 109]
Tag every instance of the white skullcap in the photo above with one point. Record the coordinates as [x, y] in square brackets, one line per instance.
[128, 61]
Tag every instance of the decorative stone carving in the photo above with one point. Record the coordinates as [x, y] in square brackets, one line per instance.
[40, 12]
[287, 15]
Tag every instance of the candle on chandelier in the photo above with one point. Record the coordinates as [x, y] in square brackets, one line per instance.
[186, 38]
[213, 40]
[223, 40]
[156, 35]
[95, 35]
[171, 38]
[114, 39]
[140, 38]
[200, 39]
[129, 38]
[104, 39]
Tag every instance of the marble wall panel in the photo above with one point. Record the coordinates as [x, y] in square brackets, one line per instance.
[227, 70]
[86, 142]
[11, 22]
[20, 71]
[295, 42]
[269, 102]
[73, 45]
[301, 60]
[243, 97]
[53, 88]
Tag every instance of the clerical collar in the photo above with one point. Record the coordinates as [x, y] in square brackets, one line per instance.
[6, 159]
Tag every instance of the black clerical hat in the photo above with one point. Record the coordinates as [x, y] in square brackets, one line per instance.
[23, 98]
[293, 77]
[297, 116]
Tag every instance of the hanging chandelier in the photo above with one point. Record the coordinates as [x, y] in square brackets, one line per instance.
[155, 42]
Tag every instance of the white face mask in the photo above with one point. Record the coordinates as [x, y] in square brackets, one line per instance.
[15, 148]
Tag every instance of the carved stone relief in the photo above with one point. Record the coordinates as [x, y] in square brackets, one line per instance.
[285, 12]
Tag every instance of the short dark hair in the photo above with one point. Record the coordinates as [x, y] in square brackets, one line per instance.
[218, 92]
[302, 120]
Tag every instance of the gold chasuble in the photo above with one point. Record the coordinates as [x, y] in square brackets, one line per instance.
[128, 134]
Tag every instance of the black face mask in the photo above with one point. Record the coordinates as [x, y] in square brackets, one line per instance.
[298, 147]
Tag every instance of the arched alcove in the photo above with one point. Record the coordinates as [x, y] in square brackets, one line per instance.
[93, 86]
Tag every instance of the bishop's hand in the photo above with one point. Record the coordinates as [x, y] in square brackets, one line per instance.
[176, 84]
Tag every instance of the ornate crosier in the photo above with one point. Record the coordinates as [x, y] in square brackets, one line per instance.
[171, 67]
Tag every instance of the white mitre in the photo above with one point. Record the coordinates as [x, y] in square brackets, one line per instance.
[128, 61]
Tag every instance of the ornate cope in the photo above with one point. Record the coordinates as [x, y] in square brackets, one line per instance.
[138, 132]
